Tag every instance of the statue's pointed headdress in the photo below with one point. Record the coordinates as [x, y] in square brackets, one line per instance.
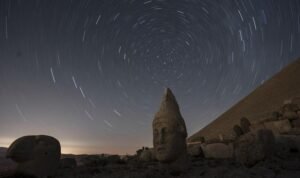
[169, 112]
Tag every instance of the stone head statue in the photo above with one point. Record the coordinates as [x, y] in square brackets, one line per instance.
[36, 155]
[169, 131]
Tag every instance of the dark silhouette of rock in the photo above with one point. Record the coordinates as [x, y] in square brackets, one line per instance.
[237, 130]
[218, 150]
[114, 159]
[37, 155]
[195, 150]
[68, 163]
[169, 134]
[245, 125]
[147, 155]
[296, 123]
[254, 146]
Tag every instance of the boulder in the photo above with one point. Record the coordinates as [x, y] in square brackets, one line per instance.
[195, 150]
[147, 155]
[237, 130]
[245, 125]
[218, 150]
[290, 115]
[254, 147]
[287, 145]
[278, 127]
[256, 127]
[290, 111]
[37, 155]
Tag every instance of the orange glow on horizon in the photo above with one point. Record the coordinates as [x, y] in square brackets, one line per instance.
[77, 148]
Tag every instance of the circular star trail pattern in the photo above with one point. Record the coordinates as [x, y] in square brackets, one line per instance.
[92, 73]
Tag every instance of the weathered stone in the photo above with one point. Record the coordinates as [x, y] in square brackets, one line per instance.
[288, 143]
[296, 123]
[245, 125]
[254, 146]
[147, 155]
[202, 139]
[221, 137]
[290, 115]
[68, 163]
[195, 150]
[276, 114]
[237, 130]
[169, 134]
[290, 111]
[36, 155]
[218, 150]
[290, 107]
[278, 127]
[256, 127]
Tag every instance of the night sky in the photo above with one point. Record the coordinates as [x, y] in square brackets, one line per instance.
[92, 73]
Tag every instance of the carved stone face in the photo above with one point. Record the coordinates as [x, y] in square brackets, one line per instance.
[168, 141]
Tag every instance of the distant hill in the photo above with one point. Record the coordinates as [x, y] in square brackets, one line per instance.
[266, 98]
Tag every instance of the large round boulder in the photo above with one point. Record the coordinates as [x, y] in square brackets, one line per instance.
[37, 155]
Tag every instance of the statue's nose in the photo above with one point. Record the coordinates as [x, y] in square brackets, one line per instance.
[161, 139]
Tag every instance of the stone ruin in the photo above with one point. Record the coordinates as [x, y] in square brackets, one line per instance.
[278, 132]
[36, 155]
[169, 135]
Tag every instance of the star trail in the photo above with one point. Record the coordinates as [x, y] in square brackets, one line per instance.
[91, 73]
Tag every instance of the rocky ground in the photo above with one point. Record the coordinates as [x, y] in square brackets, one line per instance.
[97, 166]
[206, 168]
